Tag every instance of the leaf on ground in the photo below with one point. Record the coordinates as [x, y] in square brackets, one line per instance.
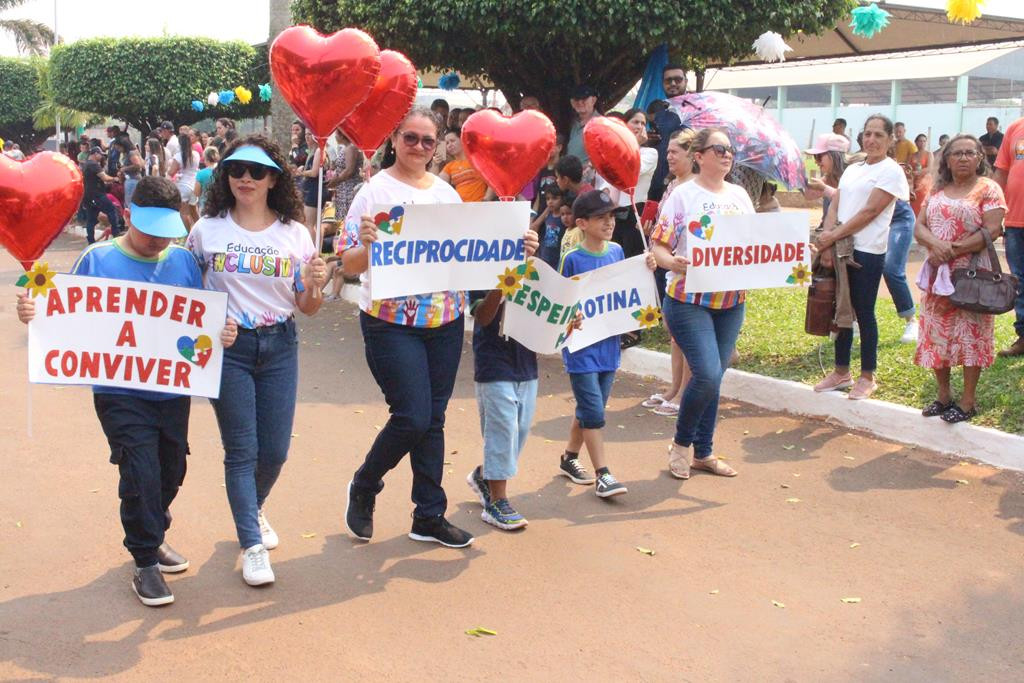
[851, 601]
[448, 462]
[963, 463]
[621, 426]
[17, 524]
[294, 435]
[778, 604]
[714, 592]
[778, 431]
[377, 427]
[658, 433]
[309, 534]
[962, 482]
[745, 432]
[785, 486]
[358, 412]
[94, 490]
[849, 457]
[645, 551]
[455, 452]
[548, 441]
[792, 500]
[796, 474]
[480, 631]
[788, 448]
[855, 545]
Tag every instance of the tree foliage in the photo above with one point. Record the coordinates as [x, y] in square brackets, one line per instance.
[20, 99]
[143, 81]
[30, 36]
[544, 47]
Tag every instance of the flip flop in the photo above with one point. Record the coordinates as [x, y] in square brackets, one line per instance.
[667, 408]
[654, 401]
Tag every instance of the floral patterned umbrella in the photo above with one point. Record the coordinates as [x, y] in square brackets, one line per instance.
[761, 143]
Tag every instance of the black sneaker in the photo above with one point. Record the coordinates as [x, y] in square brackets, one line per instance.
[169, 560]
[572, 468]
[438, 530]
[476, 481]
[148, 583]
[608, 486]
[359, 514]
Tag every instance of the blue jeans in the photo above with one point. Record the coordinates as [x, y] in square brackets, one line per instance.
[864, 283]
[707, 337]
[415, 367]
[255, 412]
[1013, 241]
[901, 237]
[506, 413]
[129, 189]
[93, 207]
[591, 391]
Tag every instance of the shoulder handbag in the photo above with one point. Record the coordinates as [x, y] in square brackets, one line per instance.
[984, 291]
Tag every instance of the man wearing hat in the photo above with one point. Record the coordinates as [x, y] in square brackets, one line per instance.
[170, 140]
[147, 430]
[583, 99]
[95, 199]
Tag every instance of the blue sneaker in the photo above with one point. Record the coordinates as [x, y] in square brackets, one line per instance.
[501, 514]
[476, 481]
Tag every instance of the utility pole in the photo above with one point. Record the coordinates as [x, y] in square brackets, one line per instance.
[281, 115]
[56, 115]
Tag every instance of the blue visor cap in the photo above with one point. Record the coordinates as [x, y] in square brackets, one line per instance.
[157, 221]
[254, 155]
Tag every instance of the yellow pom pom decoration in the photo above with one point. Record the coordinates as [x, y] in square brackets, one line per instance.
[243, 94]
[963, 11]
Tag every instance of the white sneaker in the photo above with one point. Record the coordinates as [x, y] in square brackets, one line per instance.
[910, 332]
[270, 539]
[256, 569]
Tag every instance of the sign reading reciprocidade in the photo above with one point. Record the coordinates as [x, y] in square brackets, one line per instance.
[423, 248]
[758, 251]
[121, 333]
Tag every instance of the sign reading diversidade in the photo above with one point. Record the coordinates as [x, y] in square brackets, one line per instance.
[540, 304]
[423, 248]
[134, 335]
[752, 251]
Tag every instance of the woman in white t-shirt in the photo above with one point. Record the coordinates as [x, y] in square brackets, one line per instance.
[863, 207]
[252, 244]
[705, 325]
[183, 169]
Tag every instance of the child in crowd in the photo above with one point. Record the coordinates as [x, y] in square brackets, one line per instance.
[569, 175]
[592, 368]
[147, 430]
[571, 235]
[546, 176]
[549, 226]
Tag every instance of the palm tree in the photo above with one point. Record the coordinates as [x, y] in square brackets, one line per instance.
[45, 116]
[30, 36]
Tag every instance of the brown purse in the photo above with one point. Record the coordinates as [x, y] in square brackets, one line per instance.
[984, 291]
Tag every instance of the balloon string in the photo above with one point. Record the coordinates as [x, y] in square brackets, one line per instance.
[368, 155]
[639, 225]
[317, 292]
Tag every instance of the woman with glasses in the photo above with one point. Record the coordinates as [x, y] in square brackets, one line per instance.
[413, 345]
[949, 226]
[829, 154]
[704, 325]
[252, 244]
[863, 208]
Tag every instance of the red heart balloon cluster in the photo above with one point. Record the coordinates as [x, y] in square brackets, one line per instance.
[614, 151]
[508, 151]
[38, 197]
[387, 104]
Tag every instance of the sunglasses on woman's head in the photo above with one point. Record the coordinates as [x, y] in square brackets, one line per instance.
[413, 139]
[237, 169]
[720, 150]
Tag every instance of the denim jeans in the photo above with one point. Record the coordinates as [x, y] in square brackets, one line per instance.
[129, 189]
[93, 208]
[506, 413]
[591, 391]
[864, 283]
[901, 238]
[1013, 241]
[707, 338]
[255, 412]
[415, 367]
[148, 443]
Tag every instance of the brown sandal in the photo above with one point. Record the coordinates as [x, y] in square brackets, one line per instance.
[714, 466]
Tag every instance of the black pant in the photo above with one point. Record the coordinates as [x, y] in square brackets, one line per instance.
[626, 234]
[93, 207]
[148, 443]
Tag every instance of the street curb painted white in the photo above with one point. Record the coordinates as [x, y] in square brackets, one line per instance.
[887, 420]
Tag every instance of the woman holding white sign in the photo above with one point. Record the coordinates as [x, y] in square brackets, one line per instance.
[252, 244]
[704, 325]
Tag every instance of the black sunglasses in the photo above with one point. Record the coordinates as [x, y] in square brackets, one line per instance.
[237, 169]
[674, 79]
[720, 150]
[413, 139]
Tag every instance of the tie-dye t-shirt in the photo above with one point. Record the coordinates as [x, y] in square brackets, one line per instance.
[259, 270]
[687, 204]
[419, 310]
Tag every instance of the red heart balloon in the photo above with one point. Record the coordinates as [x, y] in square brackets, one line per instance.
[38, 197]
[324, 78]
[508, 152]
[391, 98]
[614, 151]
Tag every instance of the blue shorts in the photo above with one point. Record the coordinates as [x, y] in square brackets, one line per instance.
[506, 413]
[591, 390]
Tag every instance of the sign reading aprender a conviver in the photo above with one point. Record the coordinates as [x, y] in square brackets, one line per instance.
[423, 248]
[758, 251]
[133, 335]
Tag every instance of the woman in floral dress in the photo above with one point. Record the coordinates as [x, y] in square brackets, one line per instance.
[963, 203]
[346, 179]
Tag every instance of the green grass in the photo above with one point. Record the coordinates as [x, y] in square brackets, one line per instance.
[773, 343]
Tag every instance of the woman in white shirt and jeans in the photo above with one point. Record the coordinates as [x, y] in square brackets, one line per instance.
[863, 207]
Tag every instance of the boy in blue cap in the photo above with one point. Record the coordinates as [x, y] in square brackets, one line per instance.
[147, 430]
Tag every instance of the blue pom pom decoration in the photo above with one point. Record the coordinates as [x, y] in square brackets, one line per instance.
[449, 81]
[868, 20]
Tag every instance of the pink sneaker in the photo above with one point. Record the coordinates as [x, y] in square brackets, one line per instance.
[862, 389]
[833, 382]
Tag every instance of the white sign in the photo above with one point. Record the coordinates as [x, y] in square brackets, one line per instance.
[424, 248]
[750, 251]
[122, 333]
[540, 306]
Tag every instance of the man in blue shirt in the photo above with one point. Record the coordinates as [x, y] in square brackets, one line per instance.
[147, 430]
[666, 122]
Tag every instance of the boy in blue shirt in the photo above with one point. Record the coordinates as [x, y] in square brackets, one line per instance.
[549, 226]
[592, 369]
[147, 430]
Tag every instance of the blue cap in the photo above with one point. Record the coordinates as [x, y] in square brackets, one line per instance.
[157, 221]
[252, 154]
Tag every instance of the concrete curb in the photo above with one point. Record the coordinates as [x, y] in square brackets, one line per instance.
[887, 420]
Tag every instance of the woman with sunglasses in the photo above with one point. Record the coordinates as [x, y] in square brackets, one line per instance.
[413, 345]
[252, 244]
[863, 207]
[704, 325]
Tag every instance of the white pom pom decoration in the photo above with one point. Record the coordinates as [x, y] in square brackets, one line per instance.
[770, 47]
[212, 99]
